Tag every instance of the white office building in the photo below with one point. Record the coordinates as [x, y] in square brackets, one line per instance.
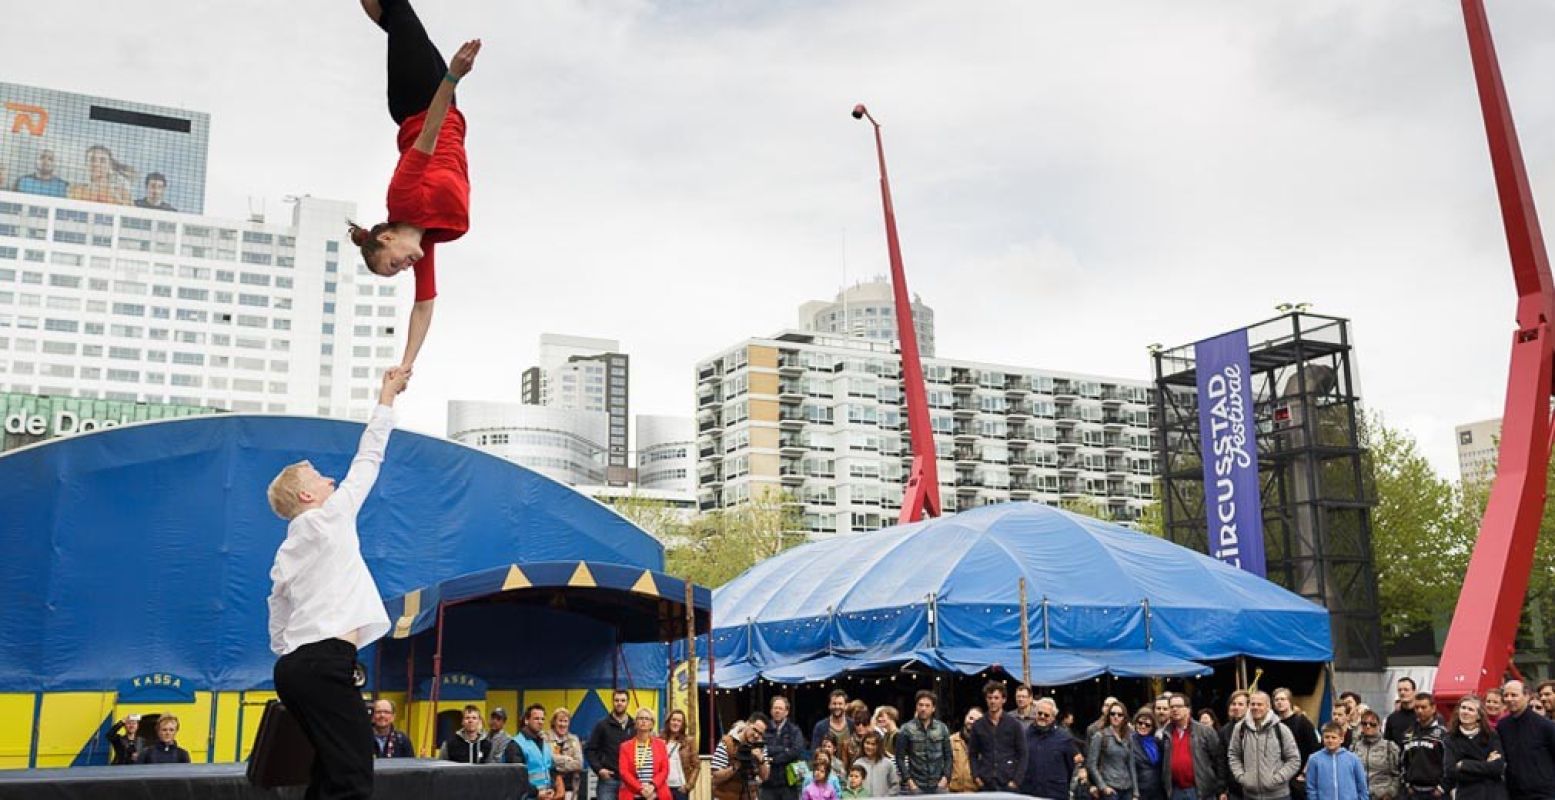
[137, 304]
[567, 445]
[821, 419]
[666, 454]
[1478, 448]
[588, 374]
[867, 310]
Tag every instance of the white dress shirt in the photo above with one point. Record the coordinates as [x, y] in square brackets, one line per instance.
[322, 589]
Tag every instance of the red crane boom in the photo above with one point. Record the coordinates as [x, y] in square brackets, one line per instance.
[921, 494]
[1484, 625]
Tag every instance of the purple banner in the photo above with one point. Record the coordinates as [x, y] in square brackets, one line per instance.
[1230, 452]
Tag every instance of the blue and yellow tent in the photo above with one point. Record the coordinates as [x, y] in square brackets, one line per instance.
[137, 558]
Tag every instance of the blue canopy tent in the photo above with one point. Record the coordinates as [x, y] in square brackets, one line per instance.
[943, 593]
[148, 547]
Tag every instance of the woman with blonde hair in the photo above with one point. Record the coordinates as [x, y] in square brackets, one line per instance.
[1473, 762]
[644, 763]
[566, 751]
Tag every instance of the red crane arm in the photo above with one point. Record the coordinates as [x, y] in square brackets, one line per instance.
[1484, 625]
[921, 493]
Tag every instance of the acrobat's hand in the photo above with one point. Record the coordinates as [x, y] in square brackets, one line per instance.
[394, 379]
[464, 60]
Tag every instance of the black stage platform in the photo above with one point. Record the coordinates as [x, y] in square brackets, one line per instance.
[394, 779]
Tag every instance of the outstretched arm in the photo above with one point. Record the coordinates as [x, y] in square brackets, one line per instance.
[420, 322]
[463, 62]
[352, 491]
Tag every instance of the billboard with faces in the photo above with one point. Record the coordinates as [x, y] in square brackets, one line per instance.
[61, 144]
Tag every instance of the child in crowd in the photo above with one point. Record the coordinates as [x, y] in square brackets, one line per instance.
[856, 789]
[1335, 773]
[820, 785]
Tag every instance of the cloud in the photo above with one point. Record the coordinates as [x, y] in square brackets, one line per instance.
[1073, 181]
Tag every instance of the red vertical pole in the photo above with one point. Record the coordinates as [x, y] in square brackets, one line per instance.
[1480, 642]
[410, 680]
[437, 670]
[921, 493]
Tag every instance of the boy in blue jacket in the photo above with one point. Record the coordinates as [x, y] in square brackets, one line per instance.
[1335, 773]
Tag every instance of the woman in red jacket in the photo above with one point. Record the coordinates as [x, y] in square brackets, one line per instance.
[429, 195]
[644, 763]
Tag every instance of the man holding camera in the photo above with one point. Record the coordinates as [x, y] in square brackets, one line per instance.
[740, 761]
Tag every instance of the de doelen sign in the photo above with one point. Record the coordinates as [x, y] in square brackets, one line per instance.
[64, 423]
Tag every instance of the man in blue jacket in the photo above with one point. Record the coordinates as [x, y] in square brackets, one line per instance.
[1528, 740]
[1050, 753]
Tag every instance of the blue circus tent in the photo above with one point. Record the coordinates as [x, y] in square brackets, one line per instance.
[148, 547]
[944, 593]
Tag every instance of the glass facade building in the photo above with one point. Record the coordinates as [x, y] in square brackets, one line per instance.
[29, 418]
[60, 144]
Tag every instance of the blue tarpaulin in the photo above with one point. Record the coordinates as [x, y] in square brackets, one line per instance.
[147, 548]
[944, 593]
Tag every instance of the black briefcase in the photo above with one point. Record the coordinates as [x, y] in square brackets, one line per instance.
[282, 755]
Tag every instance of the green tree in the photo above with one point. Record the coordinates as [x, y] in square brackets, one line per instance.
[1151, 519]
[1422, 532]
[1539, 604]
[657, 517]
[1084, 506]
[717, 546]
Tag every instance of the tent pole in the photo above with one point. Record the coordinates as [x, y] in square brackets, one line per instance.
[1025, 638]
[1047, 632]
[691, 666]
[410, 679]
[377, 670]
[712, 708]
[1241, 672]
[437, 668]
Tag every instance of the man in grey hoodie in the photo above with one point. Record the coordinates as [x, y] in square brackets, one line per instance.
[1263, 752]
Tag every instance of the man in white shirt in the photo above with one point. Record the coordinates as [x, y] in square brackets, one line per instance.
[324, 605]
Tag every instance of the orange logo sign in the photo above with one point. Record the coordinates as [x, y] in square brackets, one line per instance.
[33, 119]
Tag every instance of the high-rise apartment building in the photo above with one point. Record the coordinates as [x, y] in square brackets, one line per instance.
[1478, 449]
[821, 418]
[102, 298]
[867, 310]
[587, 374]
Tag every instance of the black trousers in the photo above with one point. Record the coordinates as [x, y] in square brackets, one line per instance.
[415, 67]
[316, 683]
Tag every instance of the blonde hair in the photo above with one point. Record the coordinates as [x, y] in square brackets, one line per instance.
[166, 718]
[283, 491]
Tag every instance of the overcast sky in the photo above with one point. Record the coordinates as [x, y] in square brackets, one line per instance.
[1074, 181]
